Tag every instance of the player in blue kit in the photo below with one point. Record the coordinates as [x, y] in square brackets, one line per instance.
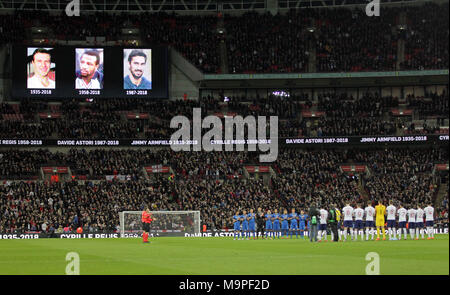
[269, 225]
[237, 225]
[251, 224]
[244, 222]
[276, 223]
[302, 223]
[285, 223]
[293, 217]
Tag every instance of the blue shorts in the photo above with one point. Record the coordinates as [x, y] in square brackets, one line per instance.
[276, 226]
[348, 223]
[390, 223]
[429, 223]
[245, 226]
[252, 226]
[402, 224]
[359, 224]
[285, 225]
[419, 224]
[268, 225]
[294, 225]
[411, 225]
[370, 224]
[302, 226]
[237, 226]
[322, 226]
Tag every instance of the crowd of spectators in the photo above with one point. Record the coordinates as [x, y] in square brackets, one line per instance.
[94, 126]
[12, 129]
[193, 36]
[97, 163]
[307, 176]
[345, 115]
[406, 161]
[341, 39]
[13, 28]
[301, 177]
[27, 206]
[345, 105]
[404, 175]
[104, 119]
[352, 126]
[96, 207]
[426, 37]
[430, 105]
[442, 207]
[342, 115]
[18, 165]
[22, 164]
[408, 190]
[263, 43]
[349, 41]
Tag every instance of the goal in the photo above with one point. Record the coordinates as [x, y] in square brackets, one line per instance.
[165, 223]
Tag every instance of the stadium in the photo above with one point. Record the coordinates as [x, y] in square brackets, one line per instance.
[199, 137]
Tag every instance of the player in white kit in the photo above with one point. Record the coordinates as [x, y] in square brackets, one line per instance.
[429, 218]
[419, 223]
[348, 220]
[370, 224]
[412, 221]
[359, 229]
[322, 225]
[391, 211]
[402, 221]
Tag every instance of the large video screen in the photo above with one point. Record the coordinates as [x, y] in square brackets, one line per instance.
[89, 72]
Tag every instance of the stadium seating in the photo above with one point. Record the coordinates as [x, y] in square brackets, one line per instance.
[342, 114]
[96, 184]
[201, 182]
[340, 39]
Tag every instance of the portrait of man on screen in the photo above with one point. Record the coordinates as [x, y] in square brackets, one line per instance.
[137, 69]
[40, 73]
[89, 69]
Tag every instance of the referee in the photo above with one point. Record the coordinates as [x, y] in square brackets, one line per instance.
[146, 220]
[260, 223]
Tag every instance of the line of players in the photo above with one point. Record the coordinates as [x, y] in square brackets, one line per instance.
[269, 225]
[415, 221]
[355, 220]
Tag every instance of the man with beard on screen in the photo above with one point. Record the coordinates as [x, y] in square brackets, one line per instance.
[137, 61]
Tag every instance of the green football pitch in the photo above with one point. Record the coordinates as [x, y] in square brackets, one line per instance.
[223, 256]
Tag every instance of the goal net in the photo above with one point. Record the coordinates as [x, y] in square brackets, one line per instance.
[165, 223]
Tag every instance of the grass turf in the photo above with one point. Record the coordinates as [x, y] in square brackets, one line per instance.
[222, 256]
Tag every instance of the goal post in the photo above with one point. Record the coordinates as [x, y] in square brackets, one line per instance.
[165, 223]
